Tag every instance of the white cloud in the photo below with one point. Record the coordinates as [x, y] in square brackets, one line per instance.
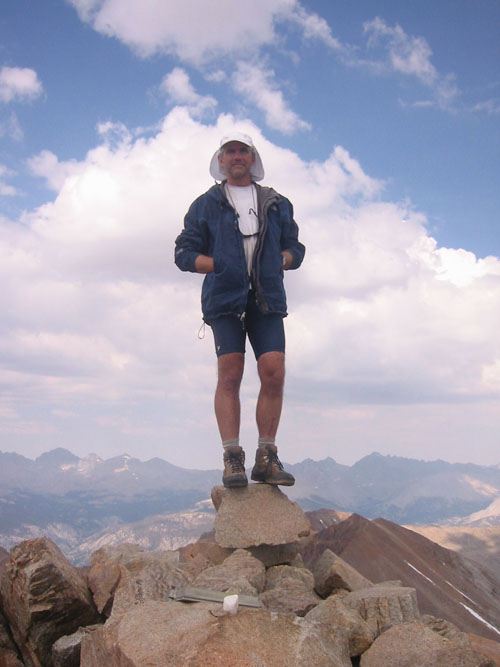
[221, 33]
[11, 128]
[386, 331]
[47, 166]
[218, 76]
[192, 30]
[165, 26]
[114, 134]
[6, 190]
[19, 83]
[259, 88]
[490, 106]
[409, 55]
[177, 86]
[314, 27]
[412, 56]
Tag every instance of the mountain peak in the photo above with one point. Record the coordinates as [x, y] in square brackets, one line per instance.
[57, 457]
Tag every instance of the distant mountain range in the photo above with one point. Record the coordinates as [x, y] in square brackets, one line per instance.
[399, 489]
[77, 501]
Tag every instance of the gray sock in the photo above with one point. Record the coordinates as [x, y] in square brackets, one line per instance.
[264, 442]
[231, 443]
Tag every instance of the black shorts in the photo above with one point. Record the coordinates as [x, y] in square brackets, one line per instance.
[266, 333]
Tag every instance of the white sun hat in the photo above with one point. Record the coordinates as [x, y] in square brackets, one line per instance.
[217, 172]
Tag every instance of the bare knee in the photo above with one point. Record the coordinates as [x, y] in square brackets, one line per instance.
[230, 372]
[271, 366]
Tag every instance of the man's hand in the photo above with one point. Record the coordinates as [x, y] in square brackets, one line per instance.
[204, 264]
[287, 260]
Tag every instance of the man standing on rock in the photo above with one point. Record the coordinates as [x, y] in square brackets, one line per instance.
[243, 237]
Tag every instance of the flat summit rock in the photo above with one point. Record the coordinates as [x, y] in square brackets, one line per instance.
[255, 515]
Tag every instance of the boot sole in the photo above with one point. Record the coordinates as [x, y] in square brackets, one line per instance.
[275, 482]
[238, 484]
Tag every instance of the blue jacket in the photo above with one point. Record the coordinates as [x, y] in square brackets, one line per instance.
[211, 228]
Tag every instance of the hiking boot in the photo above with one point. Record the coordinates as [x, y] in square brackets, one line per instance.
[234, 467]
[269, 469]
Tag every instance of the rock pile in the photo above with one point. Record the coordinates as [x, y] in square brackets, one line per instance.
[125, 609]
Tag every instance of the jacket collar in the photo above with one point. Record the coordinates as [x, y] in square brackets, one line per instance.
[264, 193]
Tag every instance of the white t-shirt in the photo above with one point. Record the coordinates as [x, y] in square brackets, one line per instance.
[244, 201]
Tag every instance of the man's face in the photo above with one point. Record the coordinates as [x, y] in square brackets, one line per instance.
[237, 160]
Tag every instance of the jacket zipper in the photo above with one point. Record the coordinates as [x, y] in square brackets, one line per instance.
[225, 201]
[258, 250]
[263, 208]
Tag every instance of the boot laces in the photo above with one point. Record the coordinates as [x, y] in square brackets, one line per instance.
[273, 458]
[235, 463]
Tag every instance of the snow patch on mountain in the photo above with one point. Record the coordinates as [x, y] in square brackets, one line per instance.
[88, 464]
[420, 573]
[459, 591]
[480, 618]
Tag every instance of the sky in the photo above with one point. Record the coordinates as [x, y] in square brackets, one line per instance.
[378, 120]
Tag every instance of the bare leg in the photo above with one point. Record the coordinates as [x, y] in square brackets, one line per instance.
[227, 395]
[271, 368]
[268, 468]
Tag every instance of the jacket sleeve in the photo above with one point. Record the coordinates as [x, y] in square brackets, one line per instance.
[193, 240]
[290, 234]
